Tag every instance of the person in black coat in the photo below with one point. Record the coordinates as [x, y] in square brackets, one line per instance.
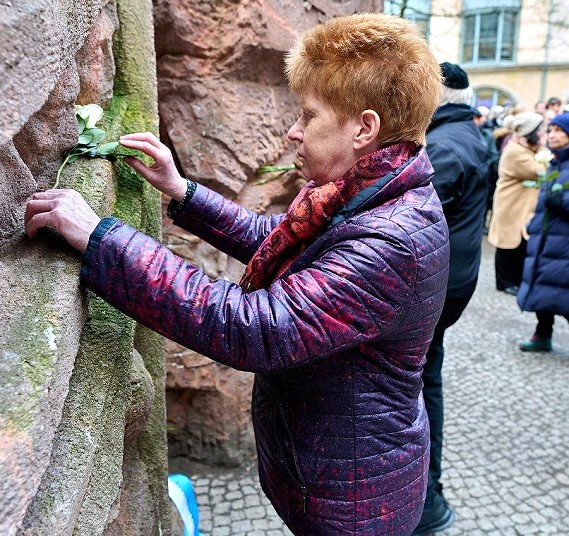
[459, 157]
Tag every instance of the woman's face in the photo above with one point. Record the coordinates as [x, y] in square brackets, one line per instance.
[325, 148]
[557, 138]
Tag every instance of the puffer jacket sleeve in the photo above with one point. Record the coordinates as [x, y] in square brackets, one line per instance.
[227, 226]
[357, 291]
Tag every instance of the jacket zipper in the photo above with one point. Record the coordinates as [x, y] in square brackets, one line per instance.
[298, 478]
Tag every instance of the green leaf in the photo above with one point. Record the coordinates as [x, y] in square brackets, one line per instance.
[83, 150]
[530, 184]
[272, 169]
[98, 134]
[72, 158]
[81, 123]
[107, 148]
[85, 138]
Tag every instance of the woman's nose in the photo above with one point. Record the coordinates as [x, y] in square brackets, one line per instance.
[295, 133]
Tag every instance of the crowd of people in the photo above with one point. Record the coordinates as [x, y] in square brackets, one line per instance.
[342, 310]
[529, 214]
[504, 172]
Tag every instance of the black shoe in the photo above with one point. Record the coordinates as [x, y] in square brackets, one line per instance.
[435, 518]
[513, 291]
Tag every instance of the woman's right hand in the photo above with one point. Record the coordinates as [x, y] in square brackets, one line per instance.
[163, 174]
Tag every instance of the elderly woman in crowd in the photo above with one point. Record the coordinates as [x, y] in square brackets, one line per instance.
[545, 284]
[340, 296]
[514, 204]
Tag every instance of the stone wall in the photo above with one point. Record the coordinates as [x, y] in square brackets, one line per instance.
[82, 409]
[225, 110]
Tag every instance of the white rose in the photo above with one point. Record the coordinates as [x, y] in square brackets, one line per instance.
[90, 113]
[544, 157]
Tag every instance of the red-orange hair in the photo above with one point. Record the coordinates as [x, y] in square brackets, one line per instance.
[369, 61]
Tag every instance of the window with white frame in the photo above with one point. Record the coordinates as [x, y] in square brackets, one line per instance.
[418, 11]
[489, 30]
[492, 96]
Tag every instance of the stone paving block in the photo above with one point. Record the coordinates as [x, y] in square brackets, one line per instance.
[221, 508]
[206, 527]
[260, 524]
[242, 527]
[217, 491]
[252, 500]
[256, 512]
[501, 521]
[233, 495]
[239, 504]
[274, 522]
[221, 520]
[236, 514]
[248, 490]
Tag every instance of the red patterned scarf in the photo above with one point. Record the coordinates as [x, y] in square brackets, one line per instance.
[312, 209]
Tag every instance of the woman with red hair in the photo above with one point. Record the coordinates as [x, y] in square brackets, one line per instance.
[341, 294]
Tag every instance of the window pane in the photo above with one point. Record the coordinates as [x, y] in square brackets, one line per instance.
[488, 36]
[417, 11]
[508, 35]
[490, 96]
[489, 4]
[484, 97]
[410, 7]
[468, 38]
[423, 25]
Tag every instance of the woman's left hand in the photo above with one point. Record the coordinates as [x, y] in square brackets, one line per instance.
[163, 174]
[66, 212]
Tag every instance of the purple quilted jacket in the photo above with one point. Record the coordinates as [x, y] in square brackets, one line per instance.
[337, 343]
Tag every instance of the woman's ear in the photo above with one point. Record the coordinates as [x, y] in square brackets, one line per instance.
[368, 130]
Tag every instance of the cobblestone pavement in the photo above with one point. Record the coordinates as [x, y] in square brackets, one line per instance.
[506, 470]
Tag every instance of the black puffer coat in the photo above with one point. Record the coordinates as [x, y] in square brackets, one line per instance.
[459, 156]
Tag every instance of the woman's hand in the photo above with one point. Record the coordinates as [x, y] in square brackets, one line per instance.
[163, 174]
[66, 212]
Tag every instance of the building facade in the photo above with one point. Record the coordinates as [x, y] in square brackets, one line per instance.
[514, 51]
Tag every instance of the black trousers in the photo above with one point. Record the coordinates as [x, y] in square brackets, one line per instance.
[545, 321]
[433, 389]
[509, 265]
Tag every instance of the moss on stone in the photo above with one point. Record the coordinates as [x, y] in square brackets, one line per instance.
[31, 347]
[99, 391]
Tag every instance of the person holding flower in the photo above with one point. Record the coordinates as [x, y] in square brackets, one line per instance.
[545, 283]
[340, 296]
[513, 203]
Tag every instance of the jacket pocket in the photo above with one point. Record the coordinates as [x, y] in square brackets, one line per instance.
[289, 455]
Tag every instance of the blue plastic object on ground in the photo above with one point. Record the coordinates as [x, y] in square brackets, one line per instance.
[182, 494]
